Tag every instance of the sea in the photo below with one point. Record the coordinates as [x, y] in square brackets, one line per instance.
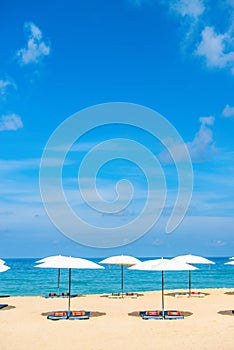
[24, 279]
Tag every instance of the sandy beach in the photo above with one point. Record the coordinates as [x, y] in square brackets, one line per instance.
[24, 326]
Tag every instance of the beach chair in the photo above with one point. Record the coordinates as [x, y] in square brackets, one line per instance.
[3, 305]
[115, 295]
[155, 315]
[58, 315]
[79, 315]
[173, 315]
[66, 295]
[52, 295]
[131, 294]
[181, 294]
[197, 294]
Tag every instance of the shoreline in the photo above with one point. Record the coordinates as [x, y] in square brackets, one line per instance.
[135, 291]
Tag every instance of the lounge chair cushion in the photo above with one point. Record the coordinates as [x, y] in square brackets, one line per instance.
[60, 314]
[174, 313]
[197, 294]
[152, 313]
[78, 313]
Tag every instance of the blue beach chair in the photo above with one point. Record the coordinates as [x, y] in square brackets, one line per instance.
[58, 315]
[79, 315]
[155, 315]
[52, 295]
[66, 295]
[173, 315]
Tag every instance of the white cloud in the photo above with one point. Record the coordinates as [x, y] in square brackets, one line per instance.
[36, 47]
[10, 122]
[207, 120]
[189, 8]
[206, 40]
[4, 84]
[228, 111]
[201, 30]
[217, 49]
[203, 146]
[189, 13]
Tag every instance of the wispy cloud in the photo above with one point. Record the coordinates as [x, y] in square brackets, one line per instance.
[10, 122]
[189, 14]
[76, 147]
[19, 165]
[189, 8]
[228, 111]
[217, 49]
[139, 3]
[201, 148]
[218, 243]
[36, 47]
[208, 42]
[202, 34]
[158, 242]
[5, 84]
[203, 145]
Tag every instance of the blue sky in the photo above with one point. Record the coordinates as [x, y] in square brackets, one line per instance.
[175, 57]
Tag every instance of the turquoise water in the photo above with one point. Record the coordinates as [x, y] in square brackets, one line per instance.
[24, 279]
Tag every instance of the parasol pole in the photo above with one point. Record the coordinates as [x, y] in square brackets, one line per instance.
[122, 281]
[69, 291]
[163, 294]
[58, 281]
[189, 275]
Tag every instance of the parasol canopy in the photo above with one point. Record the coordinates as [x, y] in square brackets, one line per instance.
[163, 265]
[192, 259]
[69, 263]
[121, 260]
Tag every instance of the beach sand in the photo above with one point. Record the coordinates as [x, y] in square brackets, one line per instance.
[24, 327]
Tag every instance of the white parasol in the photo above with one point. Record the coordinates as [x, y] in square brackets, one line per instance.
[69, 263]
[192, 259]
[163, 265]
[122, 260]
[4, 267]
[50, 259]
